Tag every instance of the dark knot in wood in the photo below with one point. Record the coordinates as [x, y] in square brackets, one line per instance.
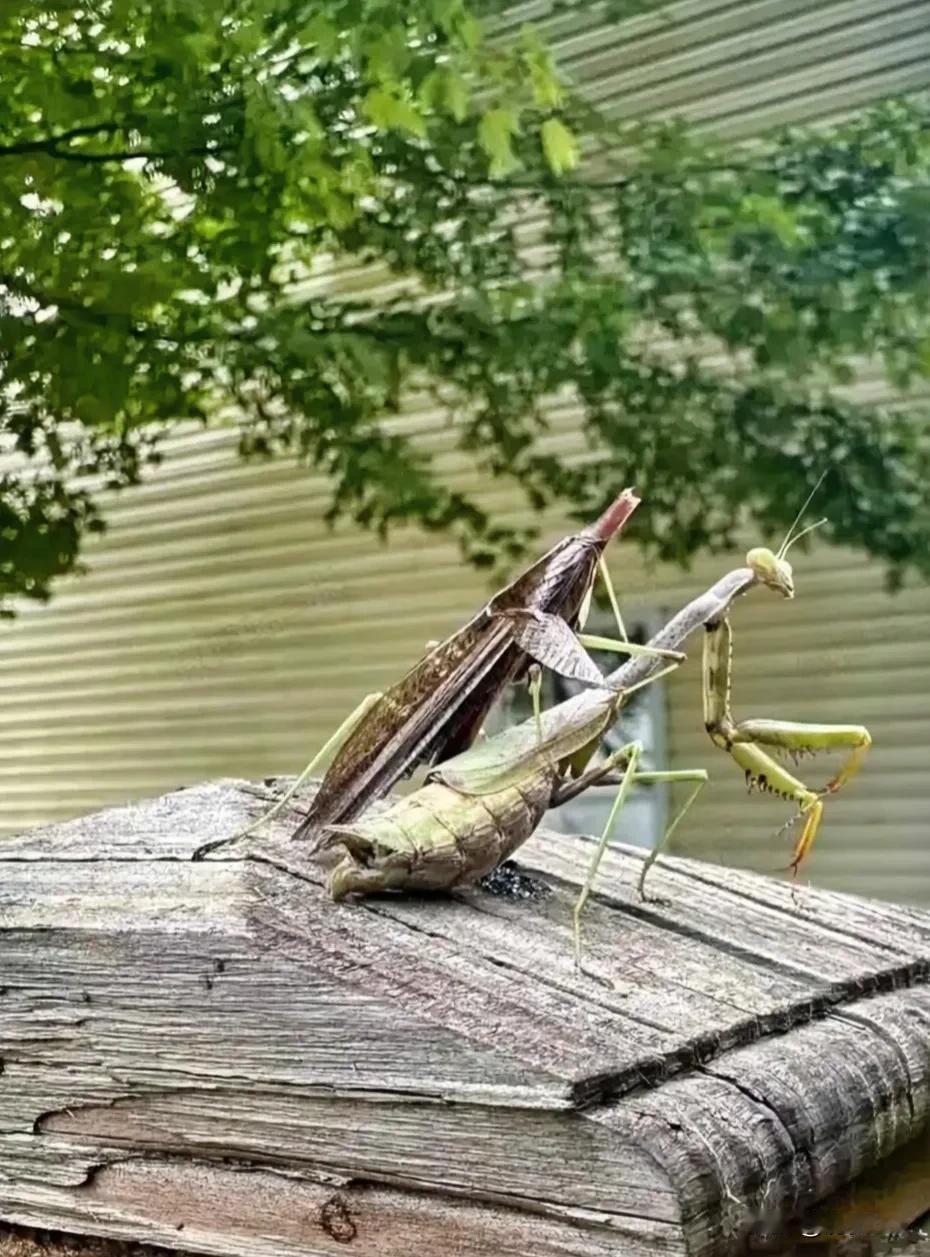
[336, 1220]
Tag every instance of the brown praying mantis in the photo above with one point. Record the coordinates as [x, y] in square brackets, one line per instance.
[437, 708]
[478, 807]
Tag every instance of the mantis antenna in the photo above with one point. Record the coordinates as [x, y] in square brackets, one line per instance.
[789, 539]
[803, 533]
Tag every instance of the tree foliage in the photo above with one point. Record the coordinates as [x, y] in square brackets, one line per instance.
[171, 170]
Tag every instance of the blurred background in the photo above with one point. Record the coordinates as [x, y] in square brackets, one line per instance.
[223, 628]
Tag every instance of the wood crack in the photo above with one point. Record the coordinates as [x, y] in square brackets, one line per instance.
[850, 1017]
[218, 1049]
[41, 857]
[913, 972]
[832, 926]
[795, 1149]
[694, 1051]
[159, 1155]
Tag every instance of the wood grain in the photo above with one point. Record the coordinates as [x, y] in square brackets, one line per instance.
[217, 1055]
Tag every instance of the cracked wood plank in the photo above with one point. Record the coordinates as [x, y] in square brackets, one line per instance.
[215, 1054]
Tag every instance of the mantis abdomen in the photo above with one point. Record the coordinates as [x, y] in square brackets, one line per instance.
[436, 838]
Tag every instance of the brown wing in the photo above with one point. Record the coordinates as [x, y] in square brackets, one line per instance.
[437, 708]
[412, 715]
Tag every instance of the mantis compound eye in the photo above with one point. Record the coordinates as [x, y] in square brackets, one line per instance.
[771, 570]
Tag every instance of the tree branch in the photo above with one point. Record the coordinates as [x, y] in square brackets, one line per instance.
[140, 331]
[553, 183]
[78, 155]
[49, 143]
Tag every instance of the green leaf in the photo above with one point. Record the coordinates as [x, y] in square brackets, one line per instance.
[320, 34]
[389, 55]
[431, 90]
[559, 145]
[772, 213]
[547, 88]
[456, 94]
[391, 112]
[495, 135]
[471, 32]
[445, 90]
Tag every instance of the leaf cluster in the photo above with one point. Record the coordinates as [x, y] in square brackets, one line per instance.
[187, 191]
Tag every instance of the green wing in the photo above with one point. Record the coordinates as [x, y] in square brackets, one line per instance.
[517, 754]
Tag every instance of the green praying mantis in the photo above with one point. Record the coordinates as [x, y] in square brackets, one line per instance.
[478, 807]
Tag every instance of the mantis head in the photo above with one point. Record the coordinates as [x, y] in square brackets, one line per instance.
[774, 569]
[771, 569]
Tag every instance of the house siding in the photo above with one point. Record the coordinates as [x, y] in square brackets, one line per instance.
[222, 630]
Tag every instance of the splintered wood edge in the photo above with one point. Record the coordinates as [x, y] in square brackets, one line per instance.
[763, 1133]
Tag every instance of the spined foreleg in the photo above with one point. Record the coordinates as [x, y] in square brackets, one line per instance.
[749, 742]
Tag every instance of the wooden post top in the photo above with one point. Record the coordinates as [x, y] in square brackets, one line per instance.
[214, 1056]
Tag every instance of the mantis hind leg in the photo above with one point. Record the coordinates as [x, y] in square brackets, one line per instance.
[629, 756]
[625, 758]
[331, 744]
[696, 775]
[535, 681]
[608, 584]
[749, 742]
[604, 774]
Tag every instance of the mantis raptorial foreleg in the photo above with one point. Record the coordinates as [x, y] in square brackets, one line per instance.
[745, 740]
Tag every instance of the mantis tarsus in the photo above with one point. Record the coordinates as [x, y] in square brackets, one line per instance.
[478, 807]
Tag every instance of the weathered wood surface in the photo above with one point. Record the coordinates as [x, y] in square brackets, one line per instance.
[214, 1056]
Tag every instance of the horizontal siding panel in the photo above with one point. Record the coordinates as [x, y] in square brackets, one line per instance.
[741, 68]
[382, 609]
[901, 764]
[223, 630]
[182, 697]
[689, 38]
[316, 627]
[892, 71]
[242, 652]
[860, 39]
[254, 664]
